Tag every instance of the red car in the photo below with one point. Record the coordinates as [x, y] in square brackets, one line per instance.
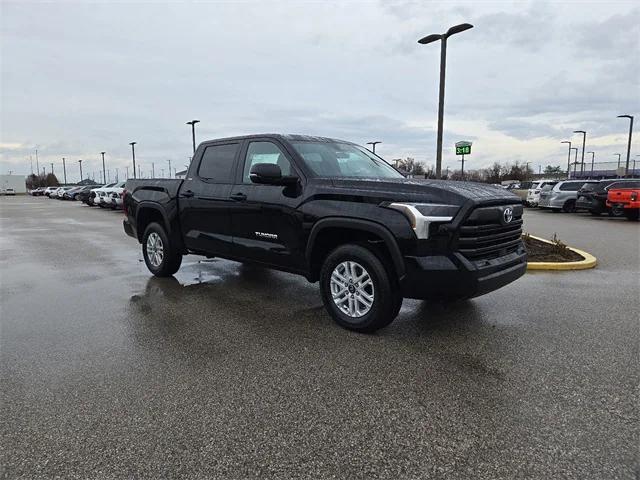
[626, 199]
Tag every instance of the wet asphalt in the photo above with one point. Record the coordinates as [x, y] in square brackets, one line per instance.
[232, 371]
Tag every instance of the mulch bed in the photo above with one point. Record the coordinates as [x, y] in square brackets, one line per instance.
[549, 252]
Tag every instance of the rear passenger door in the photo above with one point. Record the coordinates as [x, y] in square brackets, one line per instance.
[204, 200]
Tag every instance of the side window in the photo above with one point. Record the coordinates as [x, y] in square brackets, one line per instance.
[570, 186]
[217, 163]
[265, 152]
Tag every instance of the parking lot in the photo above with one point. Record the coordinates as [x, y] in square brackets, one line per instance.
[232, 371]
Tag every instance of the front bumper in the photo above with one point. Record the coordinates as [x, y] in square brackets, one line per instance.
[453, 276]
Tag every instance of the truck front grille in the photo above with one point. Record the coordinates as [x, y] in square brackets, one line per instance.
[486, 234]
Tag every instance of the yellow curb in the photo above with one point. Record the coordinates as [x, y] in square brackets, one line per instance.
[589, 261]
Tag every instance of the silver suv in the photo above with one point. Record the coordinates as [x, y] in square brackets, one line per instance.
[562, 196]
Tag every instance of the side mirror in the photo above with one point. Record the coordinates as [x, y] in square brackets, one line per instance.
[270, 174]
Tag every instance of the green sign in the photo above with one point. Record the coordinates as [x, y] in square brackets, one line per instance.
[463, 150]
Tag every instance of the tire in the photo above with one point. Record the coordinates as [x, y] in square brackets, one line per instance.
[569, 206]
[169, 260]
[595, 213]
[616, 212]
[386, 296]
[632, 214]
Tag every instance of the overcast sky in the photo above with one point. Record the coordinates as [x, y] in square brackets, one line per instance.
[82, 77]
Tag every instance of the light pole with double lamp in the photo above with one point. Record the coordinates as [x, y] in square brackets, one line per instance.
[193, 132]
[133, 154]
[373, 145]
[568, 158]
[584, 140]
[630, 117]
[443, 64]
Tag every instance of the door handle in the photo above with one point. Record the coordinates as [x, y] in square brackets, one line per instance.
[187, 193]
[238, 197]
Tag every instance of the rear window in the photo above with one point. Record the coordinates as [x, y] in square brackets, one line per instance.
[217, 163]
[534, 185]
[547, 184]
[547, 187]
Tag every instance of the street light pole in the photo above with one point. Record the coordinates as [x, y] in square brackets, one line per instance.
[443, 63]
[37, 163]
[630, 117]
[568, 158]
[373, 145]
[103, 169]
[133, 154]
[80, 162]
[593, 155]
[618, 159]
[575, 161]
[153, 170]
[584, 139]
[64, 171]
[193, 132]
[169, 168]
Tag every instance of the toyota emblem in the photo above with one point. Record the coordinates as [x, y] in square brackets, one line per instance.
[507, 215]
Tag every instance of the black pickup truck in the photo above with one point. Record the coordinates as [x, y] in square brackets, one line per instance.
[336, 213]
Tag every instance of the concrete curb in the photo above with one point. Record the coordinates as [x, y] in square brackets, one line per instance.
[589, 261]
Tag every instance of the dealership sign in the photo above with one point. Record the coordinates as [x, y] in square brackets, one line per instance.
[463, 148]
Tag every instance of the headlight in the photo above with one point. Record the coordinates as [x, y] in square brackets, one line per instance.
[421, 215]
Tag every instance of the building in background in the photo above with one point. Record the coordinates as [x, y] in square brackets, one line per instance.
[181, 175]
[17, 182]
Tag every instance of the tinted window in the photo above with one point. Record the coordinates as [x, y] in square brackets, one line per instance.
[217, 163]
[544, 184]
[570, 186]
[631, 184]
[265, 152]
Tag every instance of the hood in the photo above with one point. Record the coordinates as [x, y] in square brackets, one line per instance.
[426, 191]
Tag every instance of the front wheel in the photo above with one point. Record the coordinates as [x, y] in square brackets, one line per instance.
[162, 258]
[357, 289]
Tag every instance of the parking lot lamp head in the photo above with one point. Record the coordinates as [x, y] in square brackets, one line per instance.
[630, 117]
[373, 145]
[568, 157]
[133, 154]
[443, 62]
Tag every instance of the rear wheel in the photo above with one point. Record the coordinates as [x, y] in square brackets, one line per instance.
[162, 258]
[569, 206]
[358, 290]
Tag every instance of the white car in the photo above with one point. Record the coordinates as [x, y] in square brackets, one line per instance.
[100, 198]
[106, 199]
[9, 191]
[533, 194]
[115, 195]
[60, 192]
[48, 190]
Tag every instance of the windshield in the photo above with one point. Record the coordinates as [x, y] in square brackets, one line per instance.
[334, 159]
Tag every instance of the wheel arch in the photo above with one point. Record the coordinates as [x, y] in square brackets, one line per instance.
[360, 230]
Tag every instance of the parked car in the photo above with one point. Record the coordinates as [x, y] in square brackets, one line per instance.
[533, 194]
[85, 196]
[116, 195]
[108, 199]
[562, 196]
[336, 213]
[61, 191]
[38, 192]
[48, 190]
[72, 191]
[75, 193]
[626, 198]
[9, 191]
[100, 197]
[593, 197]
